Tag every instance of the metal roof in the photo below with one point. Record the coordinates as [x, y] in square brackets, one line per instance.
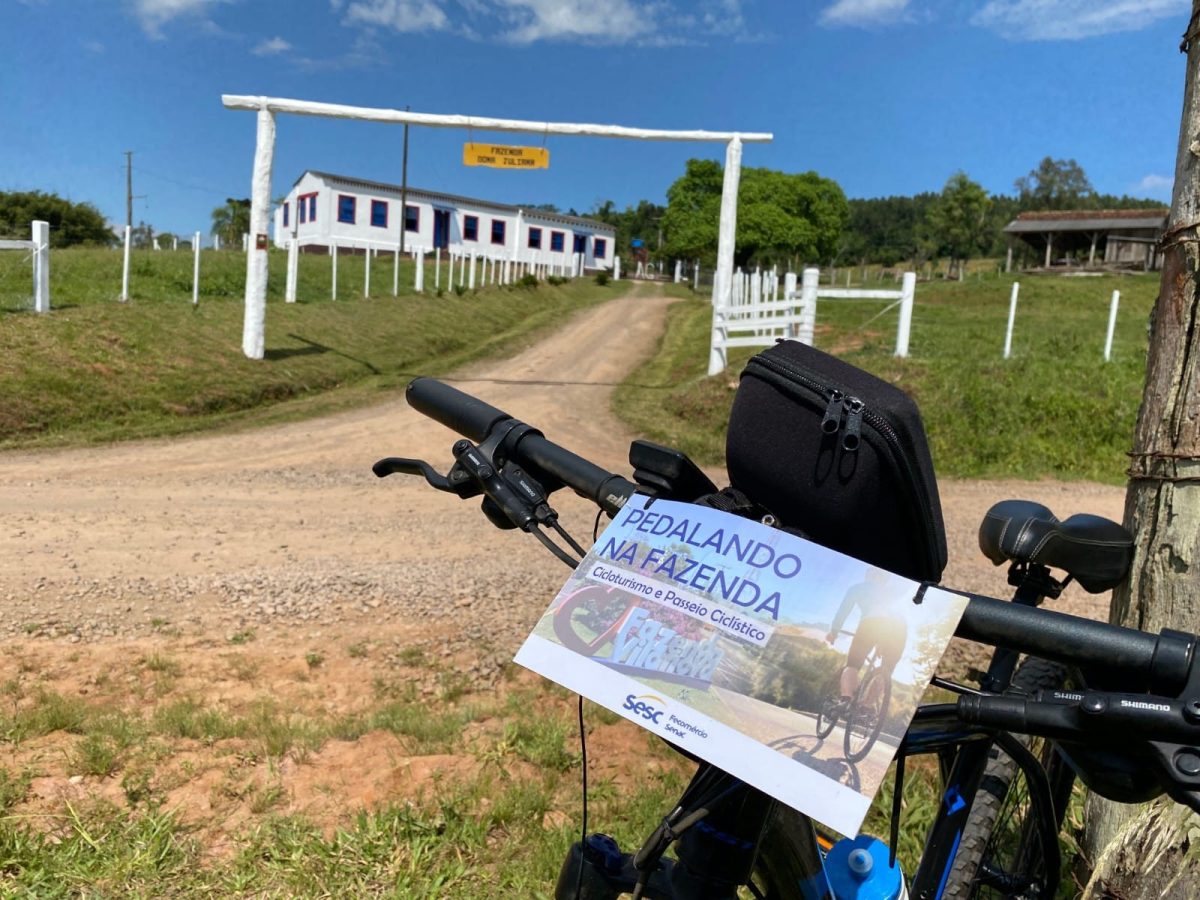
[1087, 220]
[456, 200]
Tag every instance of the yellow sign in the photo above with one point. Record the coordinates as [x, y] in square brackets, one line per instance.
[498, 156]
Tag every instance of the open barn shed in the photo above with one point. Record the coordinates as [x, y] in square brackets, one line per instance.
[1122, 238]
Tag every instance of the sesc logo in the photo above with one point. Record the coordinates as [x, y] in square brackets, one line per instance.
[639, 707]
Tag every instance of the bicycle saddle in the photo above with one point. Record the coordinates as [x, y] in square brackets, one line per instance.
[1094, 550]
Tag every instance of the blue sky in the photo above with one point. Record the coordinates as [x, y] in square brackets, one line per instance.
[885, 96]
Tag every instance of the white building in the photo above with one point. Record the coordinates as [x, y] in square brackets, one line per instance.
[322, 210]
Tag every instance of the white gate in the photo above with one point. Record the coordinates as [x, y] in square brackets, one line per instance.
[757, 317]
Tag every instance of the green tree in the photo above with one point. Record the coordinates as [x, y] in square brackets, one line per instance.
[70, 223]
[641, 221]
[231, 221]
[957, 223]
[1055, 184]
[780, 215]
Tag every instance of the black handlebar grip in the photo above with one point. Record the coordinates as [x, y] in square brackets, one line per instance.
[469, 416]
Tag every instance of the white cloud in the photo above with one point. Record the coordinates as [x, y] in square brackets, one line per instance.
[402, 15]
[1155, 185]
[865, 13]
[271, 47]
[154, 14]
[1070, 20]
[603, 21]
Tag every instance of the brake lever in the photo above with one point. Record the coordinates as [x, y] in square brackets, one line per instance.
[456, 482]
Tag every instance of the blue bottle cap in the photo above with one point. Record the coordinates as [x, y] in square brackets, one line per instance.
[858, 870]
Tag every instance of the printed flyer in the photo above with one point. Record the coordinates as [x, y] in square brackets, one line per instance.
[789, 665]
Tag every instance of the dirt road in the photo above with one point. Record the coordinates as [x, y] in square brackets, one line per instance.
[285, 528]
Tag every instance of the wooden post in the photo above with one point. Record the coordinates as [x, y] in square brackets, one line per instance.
[40, 234]
[1092, 252]
[726, 237]
[125, 265]
[293, 261]
[1008, 259]
[1012, 317]
[907, 297]
[196, 269]
[1141, 852]
[1049, 243]
[1112, 325]
[810, 281]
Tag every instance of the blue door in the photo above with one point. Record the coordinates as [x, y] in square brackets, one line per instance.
[441, 228]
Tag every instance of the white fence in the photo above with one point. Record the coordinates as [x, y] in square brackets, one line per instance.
[39, 247]
[757, 316]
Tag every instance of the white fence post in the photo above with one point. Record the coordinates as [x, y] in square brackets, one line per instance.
[125, 266]
[40, 233]
[396, 271]
[245, 243]
[293, 270]
[437, 268]
[789, 296]
[1012, 315]
[333, 255]
[907, 293]
[696, 278]
[616, 268]
[471, 282]
[726, 235]
[808, 305]
[174, 242]
[196, 269]
[419, 279]
[367, 272]
[216, 242]
[678, 271]
[1112, 324]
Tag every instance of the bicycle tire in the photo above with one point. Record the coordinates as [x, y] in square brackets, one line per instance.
[828, 714]
[861, 733]
[999, 836]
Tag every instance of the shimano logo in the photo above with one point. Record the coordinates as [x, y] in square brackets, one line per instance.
[1139, 704]
[639, 707]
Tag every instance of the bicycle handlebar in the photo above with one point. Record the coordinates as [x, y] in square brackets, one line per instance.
[1160, 664]
[479, 421]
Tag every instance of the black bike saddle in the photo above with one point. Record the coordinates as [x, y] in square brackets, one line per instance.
[1095, 550]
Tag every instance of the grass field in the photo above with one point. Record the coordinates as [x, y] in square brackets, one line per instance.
[1055, 409]
[96, 369]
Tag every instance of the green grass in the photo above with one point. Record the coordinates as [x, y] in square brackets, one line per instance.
[1055, 409]
[98, 370]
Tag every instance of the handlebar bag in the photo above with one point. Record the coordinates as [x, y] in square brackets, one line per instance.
[839, 454]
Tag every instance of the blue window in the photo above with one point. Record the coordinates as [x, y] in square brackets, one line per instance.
[581, 243]
[306, 208]
[498, 231]
[600, 245]
[470, 228]
[346, 209]
[535, 238]
[557, 241]
[379, 213]
[285, 215]
[412, 218]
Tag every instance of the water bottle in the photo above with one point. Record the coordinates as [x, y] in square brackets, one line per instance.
[857, 869]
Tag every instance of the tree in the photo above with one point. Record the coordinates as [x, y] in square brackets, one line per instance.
[641, 221]
[70, 223]
[231, 221]
[780, 215]
[957, 222]
[1055, 184]
[1148, 851]
[141, 236]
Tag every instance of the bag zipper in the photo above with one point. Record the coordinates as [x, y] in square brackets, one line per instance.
[914, 480]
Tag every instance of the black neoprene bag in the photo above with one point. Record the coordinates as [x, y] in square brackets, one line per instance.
[839, 454]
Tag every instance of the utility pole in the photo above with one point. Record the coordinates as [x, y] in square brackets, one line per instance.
[129, 188]
[404, 189]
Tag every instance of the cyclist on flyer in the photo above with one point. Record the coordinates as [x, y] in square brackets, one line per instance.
[879, 628]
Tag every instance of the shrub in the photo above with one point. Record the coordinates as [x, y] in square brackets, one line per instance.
[528, 280]
[556, 280]
[602, 278]
[459, 290]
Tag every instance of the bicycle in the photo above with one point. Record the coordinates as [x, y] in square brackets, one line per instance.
[1130, 732]
[864, 713]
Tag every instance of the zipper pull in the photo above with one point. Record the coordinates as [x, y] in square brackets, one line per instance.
[833, 413]
[854, 413]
